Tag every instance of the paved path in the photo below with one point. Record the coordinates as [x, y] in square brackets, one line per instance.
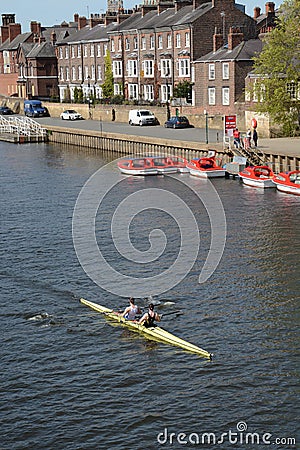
[279, 146]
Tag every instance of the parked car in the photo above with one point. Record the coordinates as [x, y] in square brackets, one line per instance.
[5, 110]
[178, 122]
[70, 114]
[142, 117]
[34, 108]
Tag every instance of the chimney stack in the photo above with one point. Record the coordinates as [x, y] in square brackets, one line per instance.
[270, 7]
[35, 27]
[256, 13]
[218, 40]
[53, 37]
[76, 17]
[235, 37]
[14, 29]
[81, 22]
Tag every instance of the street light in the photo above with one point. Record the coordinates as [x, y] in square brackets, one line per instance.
[206, 124]
[88, 96]
[167, 86]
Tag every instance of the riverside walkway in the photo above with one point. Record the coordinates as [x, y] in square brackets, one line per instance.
[277, 146]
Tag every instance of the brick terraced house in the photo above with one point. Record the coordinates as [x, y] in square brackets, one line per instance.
[153, 49]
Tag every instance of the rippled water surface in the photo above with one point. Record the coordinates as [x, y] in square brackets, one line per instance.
[71, 380]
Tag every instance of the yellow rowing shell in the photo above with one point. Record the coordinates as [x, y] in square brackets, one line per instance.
[152, 332]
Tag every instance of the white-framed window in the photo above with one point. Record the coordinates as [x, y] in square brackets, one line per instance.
[118, 89]
[85, 51]
[160, 41]
[178, 40]
[79, 73]
[152, 43]
[73, 73]
[93, 72]
[293, 90]
[165, 67]
[148, 92]
[73, 51]
[133, 92]
[187, 39]
[169, 41]
[148, 68]
[79, 51]
[225, 96]
[86, 72]
[67, 52]
[105, 49]
[92, 51]
[135, 43]
[112, 45]
[184, 67]
[61, 75]
[99, 72]
[225, 71]
[119, 45]
[166, 92]
[211, 71]
[60, 53]
[212, 96]
[98, 50]
[132, 67]
[117, 69]
[67, 74]
[127, 44]
[143, 43]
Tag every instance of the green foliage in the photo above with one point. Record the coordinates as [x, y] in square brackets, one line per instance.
[277, 70]
[183, 89]
[108, 85]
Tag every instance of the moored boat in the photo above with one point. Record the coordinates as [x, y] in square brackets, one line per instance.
[288, 182]
[156, 333]
[258, 176]
[152, 165]
[137, 166]
[206, 167]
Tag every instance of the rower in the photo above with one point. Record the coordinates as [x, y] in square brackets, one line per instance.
[150, 317]
[131, 311]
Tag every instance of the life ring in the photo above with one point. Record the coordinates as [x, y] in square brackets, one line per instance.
[254, 123]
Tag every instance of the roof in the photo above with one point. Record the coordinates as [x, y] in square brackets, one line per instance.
[167, 18]
[14, 44]
[42, 50]
[97, 33]
[242, 52]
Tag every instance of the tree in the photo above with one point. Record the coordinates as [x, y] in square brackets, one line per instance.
[183, 90]
[277, 69]
[108, 85]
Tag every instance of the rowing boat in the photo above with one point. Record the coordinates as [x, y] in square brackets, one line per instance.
[157, 333]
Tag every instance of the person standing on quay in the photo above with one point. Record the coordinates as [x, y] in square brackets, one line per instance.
[255, 137]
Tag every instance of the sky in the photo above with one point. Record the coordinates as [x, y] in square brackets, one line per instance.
[51, 12]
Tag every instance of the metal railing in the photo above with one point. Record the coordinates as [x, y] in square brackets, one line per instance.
[22, 126]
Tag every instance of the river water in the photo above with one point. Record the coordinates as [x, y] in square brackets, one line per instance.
[71, 380]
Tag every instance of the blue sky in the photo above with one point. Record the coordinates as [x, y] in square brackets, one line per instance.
[50, 12]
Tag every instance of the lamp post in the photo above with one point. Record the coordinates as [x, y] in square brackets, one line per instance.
[167, 87]
[206, 124]
[88, 96]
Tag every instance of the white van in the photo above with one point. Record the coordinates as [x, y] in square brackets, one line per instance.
[142, 117]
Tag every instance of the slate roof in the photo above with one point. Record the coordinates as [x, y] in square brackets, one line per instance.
[14, 44]
[42, 50]
[96, 33]
[242, 52]
[166, 19]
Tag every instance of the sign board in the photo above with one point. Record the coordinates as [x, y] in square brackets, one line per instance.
[229, 125]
